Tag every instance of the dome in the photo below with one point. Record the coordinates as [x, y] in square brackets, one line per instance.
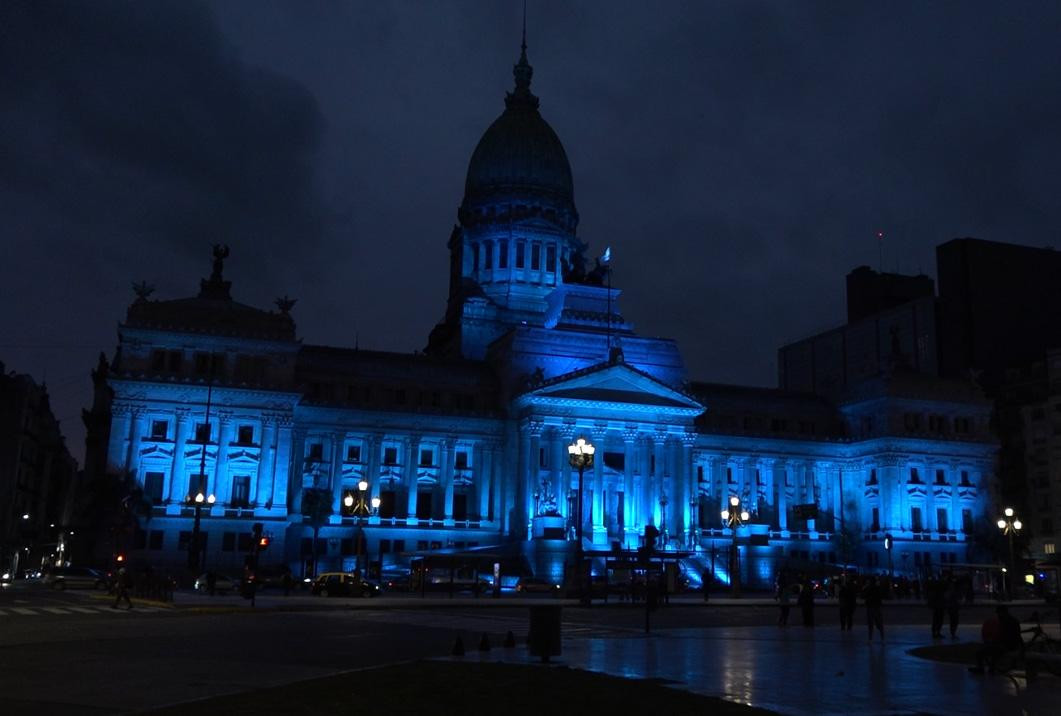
[520, 160]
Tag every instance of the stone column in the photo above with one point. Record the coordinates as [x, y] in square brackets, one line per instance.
[481, 477]
[280, 472]
[557, 459]
[178, 482]
[955, 513]
[336, 474]
[599, 439]
[566, 436]
[658, 483]
[722, 467]
[889, 486]
[262, 479]
[779, 470]
[689, 488]
[448, 446]
[410, 447]
[630, 516]
[295, 465]
[138, 428]
[221, 484]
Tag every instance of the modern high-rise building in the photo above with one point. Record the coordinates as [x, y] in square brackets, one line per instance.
[465, 445]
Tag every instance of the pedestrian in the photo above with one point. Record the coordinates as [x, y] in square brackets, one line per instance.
[872, 598]
[806, 602]
[784, 599]
[848, 598]
[122, 587]
[1001, 634]
[936, 603]
[953, 599]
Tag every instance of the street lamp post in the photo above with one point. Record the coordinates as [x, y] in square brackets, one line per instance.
[694, 524]
[195, 557]
[1010, 526]
[360, 508]
[580, 456]
[733, 518]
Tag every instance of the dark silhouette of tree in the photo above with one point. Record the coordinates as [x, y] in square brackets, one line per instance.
[114, 508]
[316, 509]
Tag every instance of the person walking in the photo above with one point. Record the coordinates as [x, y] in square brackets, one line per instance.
[806, 602]
[953, 599]
[848, 599]
[122, 587]
[872, 597]
[784, 602]
[937, 603]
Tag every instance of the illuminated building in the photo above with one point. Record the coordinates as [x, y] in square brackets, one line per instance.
[465, 445]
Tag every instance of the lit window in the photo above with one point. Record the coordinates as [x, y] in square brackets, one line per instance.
[1049, 547]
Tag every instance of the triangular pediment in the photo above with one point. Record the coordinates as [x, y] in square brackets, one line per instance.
[616, 384]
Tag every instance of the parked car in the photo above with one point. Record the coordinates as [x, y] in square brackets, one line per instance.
[75, 578]
[222, 584]
[530, 585]
[343, 584]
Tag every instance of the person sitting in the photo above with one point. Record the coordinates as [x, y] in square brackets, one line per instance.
[1001, 635]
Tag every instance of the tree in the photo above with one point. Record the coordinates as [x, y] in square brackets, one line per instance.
[114, 505]
[316, 509]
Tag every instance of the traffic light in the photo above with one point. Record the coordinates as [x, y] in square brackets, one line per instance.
[119, 558]
[263, 544]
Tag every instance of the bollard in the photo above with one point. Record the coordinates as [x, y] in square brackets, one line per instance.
[458, 647]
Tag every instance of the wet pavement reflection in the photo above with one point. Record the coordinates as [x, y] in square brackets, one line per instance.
[812, 671]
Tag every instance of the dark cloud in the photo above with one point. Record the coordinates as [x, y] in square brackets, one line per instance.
[738, 156]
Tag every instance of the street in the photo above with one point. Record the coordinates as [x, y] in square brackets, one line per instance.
[71, 653]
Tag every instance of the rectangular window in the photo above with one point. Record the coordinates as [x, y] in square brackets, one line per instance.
[241, 490]
[872, 476]
[153, 487]
[1047, 526]
[915, 519]
[390, 456]
[202, 363]
[202, 432]
[228, 542]
[940, 478]
[159, 429]
[384, 546]
[460, 460]
[550, 257]
[502, 254]
[536, 257]
[1049, 548]
[967, 521]
[245, 435]
[488, 257]
[387, 502]
[941, 519]
[346, 546]
[543, 461]
[316, 451]
[460, 507]
[521, 250]
[197, 483]
[246, 541]
[423, 505]
[729, 475]
[965, 478]
[156, 539]
[427, 458]
[914, 476]
[353, 453]
[176, 361]
[699, 473]
[875, 526]
[158, 360]
[615, 460]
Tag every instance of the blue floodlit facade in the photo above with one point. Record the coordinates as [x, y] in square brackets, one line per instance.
[465, 444]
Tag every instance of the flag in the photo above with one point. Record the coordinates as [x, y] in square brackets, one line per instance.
[606, 257]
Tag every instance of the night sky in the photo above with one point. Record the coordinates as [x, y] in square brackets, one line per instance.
[739, 157]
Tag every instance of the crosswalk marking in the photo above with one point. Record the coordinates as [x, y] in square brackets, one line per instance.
[8, 611]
